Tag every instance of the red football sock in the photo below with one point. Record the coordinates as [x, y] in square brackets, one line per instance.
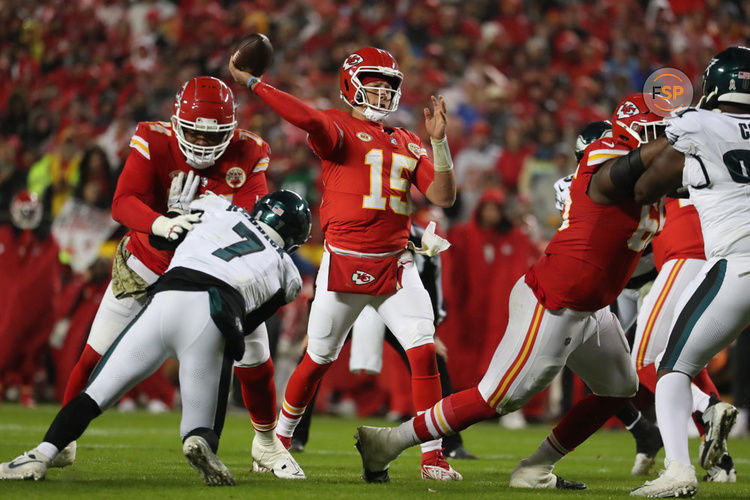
[425, 379]
[303, 382]
[453, 414]
[79, 377]
[259, 394]
[585, 418]
[647, 377]
[705, 384]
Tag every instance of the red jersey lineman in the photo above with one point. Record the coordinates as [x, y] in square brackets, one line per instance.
[553, 313]
[202, 140]
[368, 170]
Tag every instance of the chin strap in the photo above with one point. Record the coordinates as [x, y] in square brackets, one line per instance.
[374, 115]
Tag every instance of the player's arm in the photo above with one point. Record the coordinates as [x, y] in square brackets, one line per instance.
[134, 194]
[323, 132]
[615, 180]
[663, 175]
[442, 190]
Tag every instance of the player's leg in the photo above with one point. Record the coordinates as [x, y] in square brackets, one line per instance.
[530, 354]
[408, 315]
[117, 309]
[130, 359]
[711, 315]
[205, 373]
[603, 363]
[255, 372]
[331, 316]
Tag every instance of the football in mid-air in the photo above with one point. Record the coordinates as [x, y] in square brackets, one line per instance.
[254, 54]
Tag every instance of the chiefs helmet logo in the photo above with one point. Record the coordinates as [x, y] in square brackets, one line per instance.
[352, 61]
[627, 109]
[362, 278]
[235, 177]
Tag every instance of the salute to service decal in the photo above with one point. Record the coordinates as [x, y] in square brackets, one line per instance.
[236, 177]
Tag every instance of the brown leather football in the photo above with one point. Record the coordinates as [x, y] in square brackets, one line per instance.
[254, 54]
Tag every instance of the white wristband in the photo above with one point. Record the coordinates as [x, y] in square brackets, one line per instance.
[442, 154]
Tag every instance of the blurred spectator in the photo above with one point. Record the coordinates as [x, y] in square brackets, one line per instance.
[487, 256]
[475, 168]
[30, 274]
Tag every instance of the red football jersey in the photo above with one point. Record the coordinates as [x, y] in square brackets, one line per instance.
[155, 158]
[682, 237]
[367, 177]
[590, 259]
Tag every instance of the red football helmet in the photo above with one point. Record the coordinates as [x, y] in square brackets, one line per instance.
[361, 68]
[26, 210]
[633, 123]
[204, 105]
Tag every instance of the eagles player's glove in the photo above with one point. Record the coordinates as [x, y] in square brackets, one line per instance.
[432, 244]
[171, 228]
[562, 191]
[182, 192]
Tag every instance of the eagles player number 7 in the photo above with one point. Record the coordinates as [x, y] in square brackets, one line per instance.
[375, 200]
[250, 244]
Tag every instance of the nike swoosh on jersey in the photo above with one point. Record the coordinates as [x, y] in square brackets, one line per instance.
[609, 144]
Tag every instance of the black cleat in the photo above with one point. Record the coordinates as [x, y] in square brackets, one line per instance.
[564, 484]
[460, 453]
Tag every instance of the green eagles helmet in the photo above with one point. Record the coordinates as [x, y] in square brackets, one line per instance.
[727, 78]
[590, 133]
[286, 213]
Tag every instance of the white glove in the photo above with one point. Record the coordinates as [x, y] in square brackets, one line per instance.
[182, 191]
[432, 244]
[172, 227]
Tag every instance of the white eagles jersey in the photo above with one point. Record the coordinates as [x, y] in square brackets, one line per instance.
[230, 246]
[717, 173]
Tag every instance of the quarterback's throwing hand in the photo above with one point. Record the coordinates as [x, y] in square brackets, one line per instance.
[172, 227]
[436, 122]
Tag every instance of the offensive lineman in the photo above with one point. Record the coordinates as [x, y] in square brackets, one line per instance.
[200, 150]
[706, 149]
[231, 274]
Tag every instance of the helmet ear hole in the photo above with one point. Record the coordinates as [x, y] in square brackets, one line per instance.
[346, 85]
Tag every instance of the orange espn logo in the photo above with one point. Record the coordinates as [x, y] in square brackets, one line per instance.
[667, 90]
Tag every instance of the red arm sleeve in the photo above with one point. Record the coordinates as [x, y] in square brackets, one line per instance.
[135, 193]
[324, 134]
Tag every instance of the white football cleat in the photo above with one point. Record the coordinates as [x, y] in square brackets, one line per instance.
[678, 480]
[642, 465]
[277, 459]
[66, 456]
[526, 475]
[32, 465]
[719, 419]
[201, 458]
[434, 466]
[377, 449]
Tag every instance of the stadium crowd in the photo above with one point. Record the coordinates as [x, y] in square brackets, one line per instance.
[520, 80]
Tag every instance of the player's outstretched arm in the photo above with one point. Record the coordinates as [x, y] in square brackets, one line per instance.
[442, 191]
[663, 173]
[323, 132]
[616, 179]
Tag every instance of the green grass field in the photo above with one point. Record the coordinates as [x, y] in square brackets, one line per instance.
[138, 455]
